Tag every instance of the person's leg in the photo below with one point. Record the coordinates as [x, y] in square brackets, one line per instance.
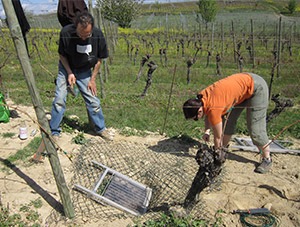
[230, 122]
[256, 121]
[92, 102]
[226, 139]
[256, 115]
[59, 102]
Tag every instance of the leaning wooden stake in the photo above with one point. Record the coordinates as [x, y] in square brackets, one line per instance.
[38, 106]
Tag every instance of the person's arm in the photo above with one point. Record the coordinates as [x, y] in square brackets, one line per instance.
[71, 76]
[217, 130]
[206, 135]
[92, 86]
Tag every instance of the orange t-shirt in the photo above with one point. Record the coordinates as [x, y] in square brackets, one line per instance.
[219, 97]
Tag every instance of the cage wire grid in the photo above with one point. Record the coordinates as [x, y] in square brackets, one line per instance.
[168, 168]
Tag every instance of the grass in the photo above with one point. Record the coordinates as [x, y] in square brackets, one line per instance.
[25, 153]
[27, 215]
[160, 110]
[8, 134]
[22, 155]
[173, 219]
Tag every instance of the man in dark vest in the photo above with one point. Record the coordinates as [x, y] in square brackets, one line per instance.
[81, 50]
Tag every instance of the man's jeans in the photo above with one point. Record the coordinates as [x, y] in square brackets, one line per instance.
[59, 103]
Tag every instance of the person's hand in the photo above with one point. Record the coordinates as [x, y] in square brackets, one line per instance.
[221, 155]
[206, 137]
[71, 80]
[92, 87]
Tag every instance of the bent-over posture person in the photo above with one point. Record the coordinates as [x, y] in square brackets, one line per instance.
[81, 48]
[222, 103]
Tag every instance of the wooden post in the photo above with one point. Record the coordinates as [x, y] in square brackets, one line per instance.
[233, 41]
[38, 106]
[102, 91]
[222, 32]
[291, 40]
[90, 5]
[252, 44]
[279, 46]
[167, 26]
[98, 22]
[212, 37]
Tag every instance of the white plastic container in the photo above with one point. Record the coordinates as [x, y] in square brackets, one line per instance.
[23, 131]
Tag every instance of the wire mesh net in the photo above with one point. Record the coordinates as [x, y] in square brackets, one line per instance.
[168, 168]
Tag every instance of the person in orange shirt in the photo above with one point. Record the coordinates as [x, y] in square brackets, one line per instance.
[222, 103]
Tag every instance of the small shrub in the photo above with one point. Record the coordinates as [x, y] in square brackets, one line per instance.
[292, 5]
[79, 139]
[37, 203]
[7, 219]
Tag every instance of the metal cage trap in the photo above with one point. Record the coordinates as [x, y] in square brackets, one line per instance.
[118, 190]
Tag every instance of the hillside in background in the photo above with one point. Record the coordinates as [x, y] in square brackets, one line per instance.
[180, 8]
[225, 5]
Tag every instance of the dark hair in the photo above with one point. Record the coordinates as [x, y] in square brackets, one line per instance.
[191, 106]
[84, 19]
